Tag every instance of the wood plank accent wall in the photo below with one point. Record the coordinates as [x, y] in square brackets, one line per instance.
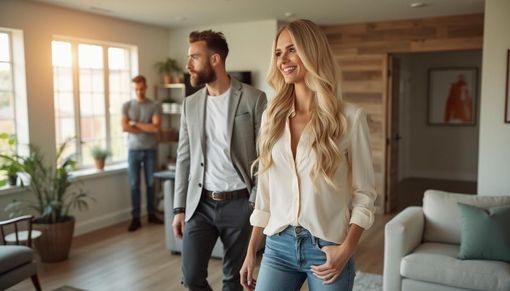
[362, 50]
[419, 35]
[363, 82]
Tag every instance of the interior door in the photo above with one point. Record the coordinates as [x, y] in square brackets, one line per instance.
[392, 136]
[364, 82]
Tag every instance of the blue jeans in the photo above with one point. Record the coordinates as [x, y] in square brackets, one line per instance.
[287, 262]
[137, 158]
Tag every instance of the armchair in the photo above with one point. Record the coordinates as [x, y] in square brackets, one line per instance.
[421, 245]
[17, 261]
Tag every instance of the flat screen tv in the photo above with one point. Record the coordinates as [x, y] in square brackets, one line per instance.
[243, 76]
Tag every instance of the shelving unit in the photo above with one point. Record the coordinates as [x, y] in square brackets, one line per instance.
[170, 121]
[171, 112]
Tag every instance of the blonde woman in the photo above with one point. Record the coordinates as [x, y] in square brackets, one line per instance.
[316, 182]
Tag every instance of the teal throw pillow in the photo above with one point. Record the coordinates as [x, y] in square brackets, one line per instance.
[485, 233]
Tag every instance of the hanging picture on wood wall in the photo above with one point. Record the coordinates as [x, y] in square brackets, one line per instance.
[452, 96]
[507, 91]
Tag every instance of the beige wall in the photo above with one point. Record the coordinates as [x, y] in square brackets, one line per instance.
[250, 45]
[437, 152]
[494, 157]
[39, 24]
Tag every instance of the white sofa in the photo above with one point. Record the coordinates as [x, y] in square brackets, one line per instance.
[421, 246]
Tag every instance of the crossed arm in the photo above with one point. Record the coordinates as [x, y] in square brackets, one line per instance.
[139, 127]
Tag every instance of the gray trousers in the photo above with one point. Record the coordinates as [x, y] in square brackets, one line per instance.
[228, 220]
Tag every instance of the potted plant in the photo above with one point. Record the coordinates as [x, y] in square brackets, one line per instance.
[99, 154]
[55, 194]
[11, 171]
[168, 68]
[167, 104]
[9, 168]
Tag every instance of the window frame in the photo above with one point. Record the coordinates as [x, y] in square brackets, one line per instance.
[75, 71]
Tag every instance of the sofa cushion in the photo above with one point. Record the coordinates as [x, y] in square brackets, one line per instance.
[485, 233]
[438, 263]
[14, 256]
[442, 222]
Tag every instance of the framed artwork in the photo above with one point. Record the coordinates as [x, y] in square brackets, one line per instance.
[452, 96]
[507, 91]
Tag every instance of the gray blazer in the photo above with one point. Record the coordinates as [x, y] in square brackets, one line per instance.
[245, 108]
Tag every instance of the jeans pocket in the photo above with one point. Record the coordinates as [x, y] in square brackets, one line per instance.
[320, 243]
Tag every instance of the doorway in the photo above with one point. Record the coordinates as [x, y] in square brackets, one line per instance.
[422, 154]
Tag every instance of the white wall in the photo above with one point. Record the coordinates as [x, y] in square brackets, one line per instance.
[40, 23]
[439, 152]
[494, 155]
[250, 47]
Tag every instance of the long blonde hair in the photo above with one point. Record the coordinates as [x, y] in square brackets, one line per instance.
[328, 124]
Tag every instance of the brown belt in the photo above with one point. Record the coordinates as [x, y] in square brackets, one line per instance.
[227, 195]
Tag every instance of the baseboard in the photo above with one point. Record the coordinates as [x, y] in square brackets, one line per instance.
[103, 221]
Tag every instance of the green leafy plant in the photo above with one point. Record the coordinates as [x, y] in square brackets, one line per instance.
[168, 100]
[99, 153]
[168, 66]
[55, 190]
[8, 166]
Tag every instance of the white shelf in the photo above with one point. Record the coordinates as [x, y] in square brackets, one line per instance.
[174, 86]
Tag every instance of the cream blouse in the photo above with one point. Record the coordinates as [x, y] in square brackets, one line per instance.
[286, 196]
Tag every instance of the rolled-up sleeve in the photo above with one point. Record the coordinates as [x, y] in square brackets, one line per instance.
[261, 213]
[363, 181]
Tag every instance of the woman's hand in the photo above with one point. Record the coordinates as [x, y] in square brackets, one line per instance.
[336, 259]
[246, 272]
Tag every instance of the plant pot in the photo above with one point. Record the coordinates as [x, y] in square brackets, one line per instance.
[13, 179]
[55, 242]
[167, 79]
[99, 164]
[167, 107]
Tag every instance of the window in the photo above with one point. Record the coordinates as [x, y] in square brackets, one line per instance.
[91, 82]
[7, 104]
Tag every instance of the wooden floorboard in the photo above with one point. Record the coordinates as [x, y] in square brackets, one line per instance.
[114, 259]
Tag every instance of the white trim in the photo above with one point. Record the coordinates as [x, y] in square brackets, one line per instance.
[89, 173]
[103, 221]
[8, 190]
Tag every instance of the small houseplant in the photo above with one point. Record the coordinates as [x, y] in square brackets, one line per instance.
[55, 193]
[99, 154]
[167, 69]
[10, 168]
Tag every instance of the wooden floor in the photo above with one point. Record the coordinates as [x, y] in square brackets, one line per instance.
[113, 259]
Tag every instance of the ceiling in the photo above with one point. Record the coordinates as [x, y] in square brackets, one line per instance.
[182, 13]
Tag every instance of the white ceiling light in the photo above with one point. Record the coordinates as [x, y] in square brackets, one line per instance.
[418, 4]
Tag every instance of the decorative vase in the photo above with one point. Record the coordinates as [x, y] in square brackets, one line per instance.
[55, 242]
[99, 164]
[12, 179]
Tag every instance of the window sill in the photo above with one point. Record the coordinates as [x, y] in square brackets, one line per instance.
[94, 173]
[6, 190]
[83, 174]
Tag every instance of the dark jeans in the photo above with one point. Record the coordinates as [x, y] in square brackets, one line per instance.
[137, 159]
[228, 220]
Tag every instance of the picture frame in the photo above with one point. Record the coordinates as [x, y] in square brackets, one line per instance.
[452, 96]
[507, 91]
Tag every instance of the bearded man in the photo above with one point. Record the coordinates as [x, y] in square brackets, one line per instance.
[214, 187]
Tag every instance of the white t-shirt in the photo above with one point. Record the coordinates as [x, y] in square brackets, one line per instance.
[220, 174]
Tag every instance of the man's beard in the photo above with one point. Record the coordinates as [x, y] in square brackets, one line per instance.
[199, 79]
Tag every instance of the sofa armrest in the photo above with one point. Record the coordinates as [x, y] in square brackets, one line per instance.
[402, 234]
